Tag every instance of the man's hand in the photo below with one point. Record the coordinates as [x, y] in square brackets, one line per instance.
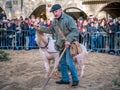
[67, 44]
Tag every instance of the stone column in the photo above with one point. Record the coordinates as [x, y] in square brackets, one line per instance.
[16, 10]
[49, 4]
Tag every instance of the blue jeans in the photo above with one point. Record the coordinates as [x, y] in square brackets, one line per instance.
[93, 43]
[32, 42]
[18, 40]
[27, 42]
[66, 63]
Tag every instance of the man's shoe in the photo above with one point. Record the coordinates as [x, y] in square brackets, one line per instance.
[75, 83]
[62, 82]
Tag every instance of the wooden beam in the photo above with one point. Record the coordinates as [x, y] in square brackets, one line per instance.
[98, 1]
[111, 8]
[94, 2]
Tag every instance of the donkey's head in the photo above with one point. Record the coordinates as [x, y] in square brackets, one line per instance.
[41, 40]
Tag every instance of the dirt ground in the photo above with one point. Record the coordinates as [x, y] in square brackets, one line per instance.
[25, 71]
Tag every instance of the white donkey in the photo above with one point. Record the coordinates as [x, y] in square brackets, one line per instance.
[48, 52]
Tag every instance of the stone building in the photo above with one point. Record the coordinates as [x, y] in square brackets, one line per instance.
[76, 8]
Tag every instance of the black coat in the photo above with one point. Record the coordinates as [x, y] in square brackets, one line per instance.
[112, 28]
[117, 27]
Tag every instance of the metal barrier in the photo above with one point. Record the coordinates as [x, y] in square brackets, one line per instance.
[117, 43]
[100, 41]
[6, 38]
[11, 39]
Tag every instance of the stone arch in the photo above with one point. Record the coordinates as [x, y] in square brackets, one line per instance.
[112, 8]
[40, 11]
[2, 7]
[31, 6]
[75, 12]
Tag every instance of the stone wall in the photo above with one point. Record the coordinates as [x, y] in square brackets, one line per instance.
[30, 5]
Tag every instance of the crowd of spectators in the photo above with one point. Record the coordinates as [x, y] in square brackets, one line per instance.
[100, 34]
[95, 33]
[19, 33]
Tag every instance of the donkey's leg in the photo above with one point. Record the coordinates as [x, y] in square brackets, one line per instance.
[47, 67]
[77, 61]
[56, 56]
[82, 67]
[46, 63]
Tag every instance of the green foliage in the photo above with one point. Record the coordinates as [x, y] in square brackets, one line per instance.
[4, 56]
[102, 88]
[116, 82]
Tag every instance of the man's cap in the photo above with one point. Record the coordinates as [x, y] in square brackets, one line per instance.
[26, 19]
[80, 18]
[55, 7]
[92, 22]
[111, 21]
[85, 27]
[95, 19]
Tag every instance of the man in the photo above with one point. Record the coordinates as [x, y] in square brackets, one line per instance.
[69, 29]
[25, 27]
[111, 30]
[2, 14]
[92, 30]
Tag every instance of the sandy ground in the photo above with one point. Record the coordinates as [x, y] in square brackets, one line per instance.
[25, 71]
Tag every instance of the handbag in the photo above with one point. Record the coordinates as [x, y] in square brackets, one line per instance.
[75, 48]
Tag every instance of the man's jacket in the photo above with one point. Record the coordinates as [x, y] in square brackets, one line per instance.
[68, 27]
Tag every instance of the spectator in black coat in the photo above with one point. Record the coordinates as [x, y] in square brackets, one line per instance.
[118, 25]
[92, 30]
[2, 14]
[10, 33]
[102, 36]
[25, 27]
[111, 29]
